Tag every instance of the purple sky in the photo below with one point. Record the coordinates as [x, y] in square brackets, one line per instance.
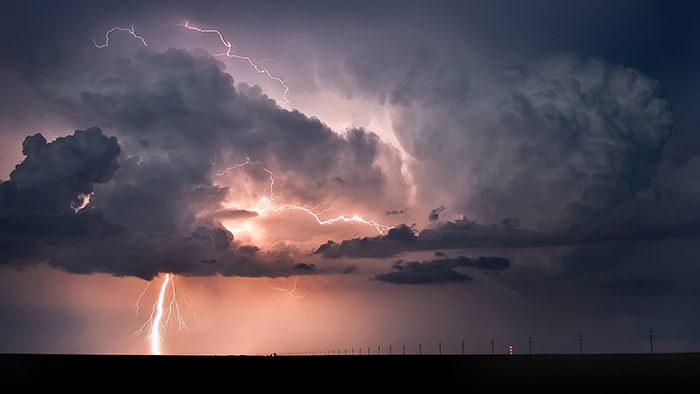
[391, 174]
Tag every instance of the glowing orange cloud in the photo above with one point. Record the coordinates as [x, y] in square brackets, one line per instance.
[267, 204]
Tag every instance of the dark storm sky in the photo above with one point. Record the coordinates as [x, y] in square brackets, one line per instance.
[550, 148]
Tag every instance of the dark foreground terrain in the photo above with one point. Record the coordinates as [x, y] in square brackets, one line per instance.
[569, 373]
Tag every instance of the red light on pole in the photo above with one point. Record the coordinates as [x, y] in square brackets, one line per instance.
[510, 348]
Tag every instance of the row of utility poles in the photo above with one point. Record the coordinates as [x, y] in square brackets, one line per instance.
[493, 344]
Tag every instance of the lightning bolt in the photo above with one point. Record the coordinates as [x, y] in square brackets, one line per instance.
[229, 50]
[247, 160]
[162, 314]
[290, 292]
[130, 31]
[229, 53]
[267, 204]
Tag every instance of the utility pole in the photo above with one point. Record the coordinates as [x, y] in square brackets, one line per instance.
[420, 349]
[462, 348]
[404, 349]
[651, 344]
[580, 343]
[529, 341]
[390, 350]
[492, 343]
[439, 347]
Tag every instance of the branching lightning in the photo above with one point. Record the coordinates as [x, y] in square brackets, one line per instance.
[167, 309]
[268, 204]
[229, 53]
[162, 314]
[290, 292]
[130, 31]
[229, 50]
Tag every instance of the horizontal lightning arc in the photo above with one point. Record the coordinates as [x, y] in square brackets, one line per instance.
[380, 228]
[266, 204]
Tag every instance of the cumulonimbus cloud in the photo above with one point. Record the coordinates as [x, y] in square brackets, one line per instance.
[150, 197]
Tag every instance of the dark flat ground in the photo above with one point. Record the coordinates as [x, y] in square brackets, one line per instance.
[336, 373]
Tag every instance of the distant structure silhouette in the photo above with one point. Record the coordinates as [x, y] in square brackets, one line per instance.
[580, 343]
[492, 343]
[440, 348]
[462, 348]
[651, 344]
[529, 341]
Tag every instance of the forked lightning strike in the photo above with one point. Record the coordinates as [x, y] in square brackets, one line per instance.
[161, 314]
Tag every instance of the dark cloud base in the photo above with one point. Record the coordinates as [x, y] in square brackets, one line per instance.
[440, 270]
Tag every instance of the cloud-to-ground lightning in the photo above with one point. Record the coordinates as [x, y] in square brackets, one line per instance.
[229, 53]
[130, 31]
[164, 311]
[162, 314]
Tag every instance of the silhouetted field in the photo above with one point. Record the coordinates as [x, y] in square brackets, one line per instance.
[448, 372]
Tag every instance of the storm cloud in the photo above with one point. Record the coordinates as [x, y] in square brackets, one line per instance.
[536, 141]
[175, 115]
[444, 270]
